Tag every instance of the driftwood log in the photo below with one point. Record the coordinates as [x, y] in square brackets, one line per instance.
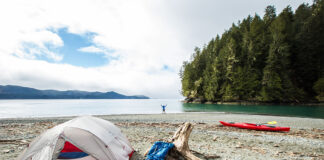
[180, 139]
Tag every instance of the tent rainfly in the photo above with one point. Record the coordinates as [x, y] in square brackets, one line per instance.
[82, 138]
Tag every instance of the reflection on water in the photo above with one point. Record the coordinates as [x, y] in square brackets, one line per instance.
[75, 107]
[288, 110]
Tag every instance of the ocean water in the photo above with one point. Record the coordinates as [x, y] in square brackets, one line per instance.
[75, 107]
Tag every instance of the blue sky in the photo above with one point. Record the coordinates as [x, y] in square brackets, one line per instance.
[71, 53]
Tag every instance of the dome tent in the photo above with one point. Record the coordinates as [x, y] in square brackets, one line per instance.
[84, 137]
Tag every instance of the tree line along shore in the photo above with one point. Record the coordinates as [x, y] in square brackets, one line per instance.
[274, 59]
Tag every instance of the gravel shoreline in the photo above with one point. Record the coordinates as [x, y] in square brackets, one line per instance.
[208, 138]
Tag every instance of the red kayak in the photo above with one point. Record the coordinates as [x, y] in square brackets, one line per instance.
[255, 126]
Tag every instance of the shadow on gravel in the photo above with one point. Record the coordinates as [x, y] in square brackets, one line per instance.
[137, 156]
[205, 157]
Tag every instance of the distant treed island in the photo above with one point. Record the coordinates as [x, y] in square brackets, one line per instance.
[18, 92]
[277, 59]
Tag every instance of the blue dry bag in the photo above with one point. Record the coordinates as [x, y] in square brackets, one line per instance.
[159, 151]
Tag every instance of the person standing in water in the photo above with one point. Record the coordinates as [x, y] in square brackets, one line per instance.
[163, 108]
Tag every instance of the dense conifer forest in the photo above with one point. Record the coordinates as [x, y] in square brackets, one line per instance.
[274, 58]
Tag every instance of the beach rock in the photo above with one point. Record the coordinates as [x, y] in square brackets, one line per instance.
[238, 146]
[6, 151]
[198, 100]
[24, 141]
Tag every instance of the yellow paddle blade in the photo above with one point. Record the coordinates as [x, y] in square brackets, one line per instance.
[272, 122]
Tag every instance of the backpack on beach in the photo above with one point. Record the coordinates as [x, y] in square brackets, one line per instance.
[159, 150]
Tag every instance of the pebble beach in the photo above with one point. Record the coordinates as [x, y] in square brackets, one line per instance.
[209, 139]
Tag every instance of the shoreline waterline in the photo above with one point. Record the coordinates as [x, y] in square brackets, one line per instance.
[204, 117]
[144, 114]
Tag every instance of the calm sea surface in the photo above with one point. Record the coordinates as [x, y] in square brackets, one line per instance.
[54, 108]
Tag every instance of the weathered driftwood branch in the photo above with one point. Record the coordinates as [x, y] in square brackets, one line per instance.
[180, 140]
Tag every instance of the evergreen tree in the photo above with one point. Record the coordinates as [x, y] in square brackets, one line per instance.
[277, 85]
[309, 61]
[319, 89]
[270, 15]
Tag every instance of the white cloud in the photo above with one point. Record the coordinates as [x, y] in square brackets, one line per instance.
[91, 49]
[145, 35]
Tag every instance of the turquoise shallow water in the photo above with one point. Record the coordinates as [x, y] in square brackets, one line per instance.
[73, 107]
[281, 110]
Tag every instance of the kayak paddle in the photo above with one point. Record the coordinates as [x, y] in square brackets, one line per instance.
[272, 122]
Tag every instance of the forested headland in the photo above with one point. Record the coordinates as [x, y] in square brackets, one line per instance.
[274, 58]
